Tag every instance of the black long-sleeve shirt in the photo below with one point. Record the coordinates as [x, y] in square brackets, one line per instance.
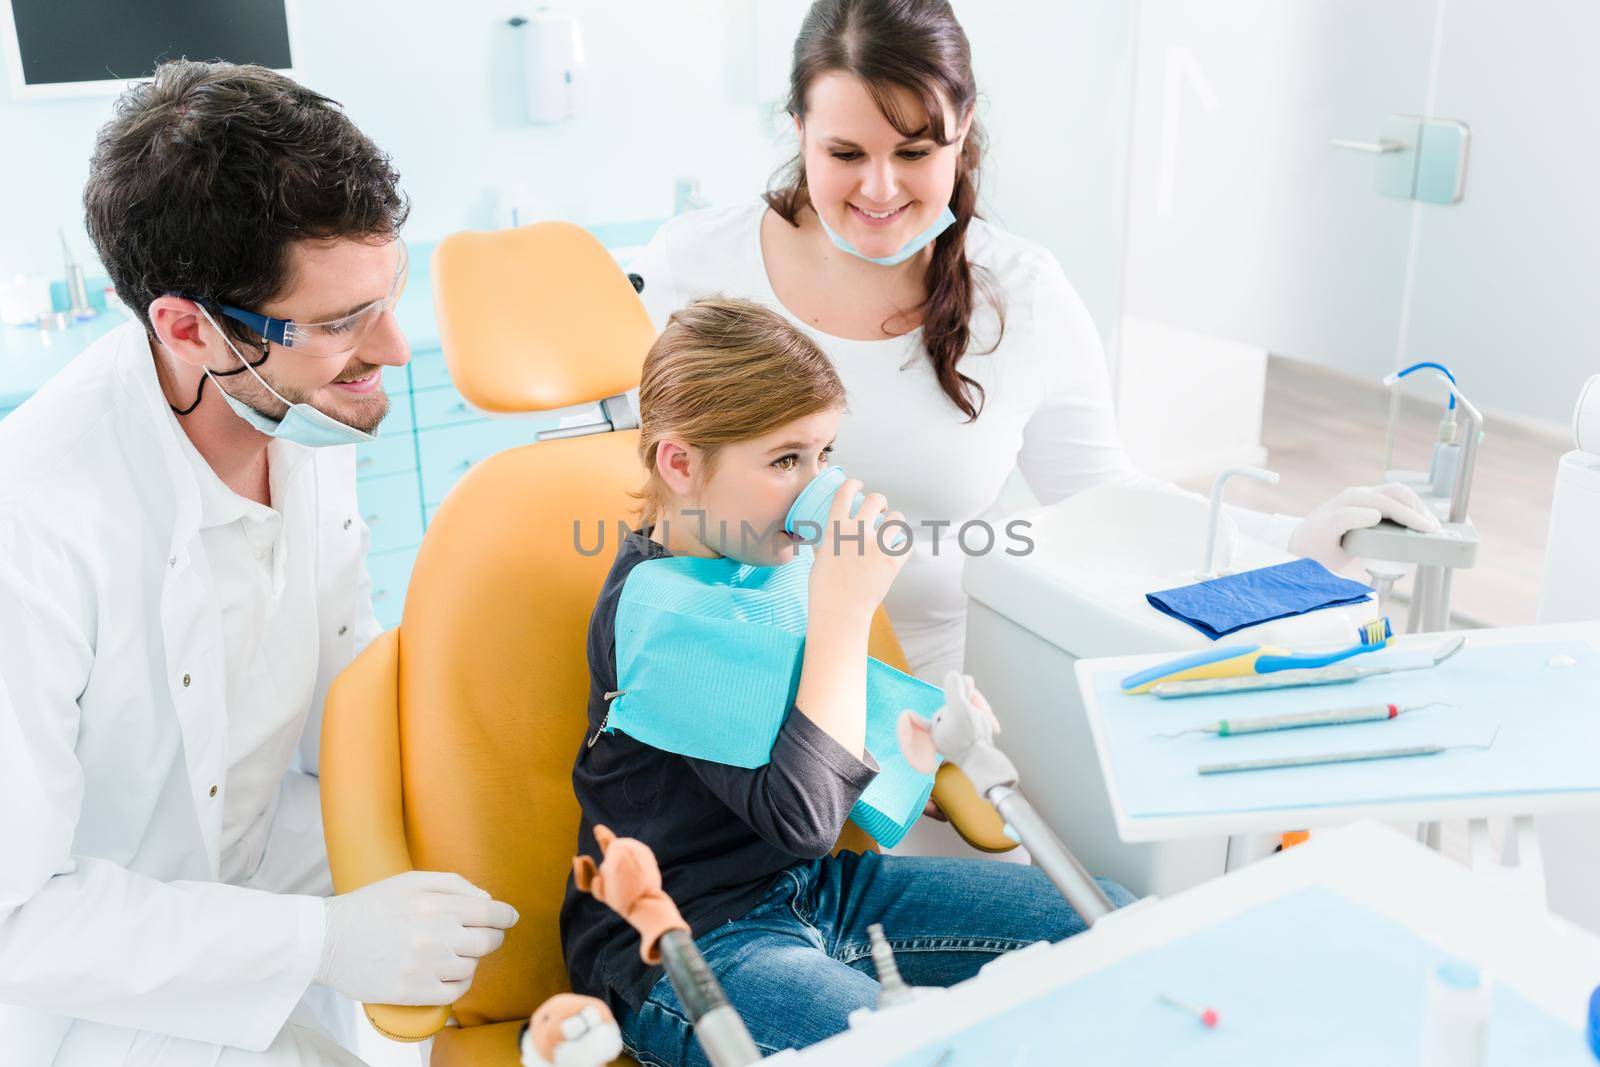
[720, 833]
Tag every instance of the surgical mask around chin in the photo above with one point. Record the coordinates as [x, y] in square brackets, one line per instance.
[302, 423]
[946, 219]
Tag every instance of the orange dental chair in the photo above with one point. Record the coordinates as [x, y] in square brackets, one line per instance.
[448, 743]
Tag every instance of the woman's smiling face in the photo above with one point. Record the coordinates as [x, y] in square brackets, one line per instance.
[873, 185]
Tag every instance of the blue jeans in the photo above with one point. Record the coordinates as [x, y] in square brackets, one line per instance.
[799, 962]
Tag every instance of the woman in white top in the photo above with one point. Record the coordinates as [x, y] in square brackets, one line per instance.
[964, 349]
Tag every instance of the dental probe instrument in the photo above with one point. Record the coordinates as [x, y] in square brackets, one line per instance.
[1339, 674]
[1273, 763]
[1301, 719]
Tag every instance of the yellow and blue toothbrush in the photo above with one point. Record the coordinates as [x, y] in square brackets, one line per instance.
[1238, 661]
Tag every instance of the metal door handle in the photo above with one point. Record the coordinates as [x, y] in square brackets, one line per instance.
[1377, 148]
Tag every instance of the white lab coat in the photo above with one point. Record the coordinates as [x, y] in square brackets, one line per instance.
[113, 729]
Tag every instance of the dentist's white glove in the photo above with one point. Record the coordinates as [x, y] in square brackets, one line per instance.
[415, 938]
[1319, 533]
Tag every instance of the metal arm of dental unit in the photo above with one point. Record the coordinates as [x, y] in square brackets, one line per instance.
[628, 881]
[1437, 556]
[963, 733]
[718, 1028]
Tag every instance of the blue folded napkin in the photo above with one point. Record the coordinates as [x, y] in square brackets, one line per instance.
[1222, 605]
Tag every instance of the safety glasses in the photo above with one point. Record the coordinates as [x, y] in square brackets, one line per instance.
[338, 337]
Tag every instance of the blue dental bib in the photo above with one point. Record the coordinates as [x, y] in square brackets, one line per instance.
[708, 662]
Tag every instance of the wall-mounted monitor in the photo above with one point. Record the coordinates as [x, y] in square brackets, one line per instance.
[55, 48]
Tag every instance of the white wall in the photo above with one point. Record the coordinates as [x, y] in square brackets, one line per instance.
[1246, 224]
[1507, 281]
[438, 87]
[1055, 81]
[680, 88]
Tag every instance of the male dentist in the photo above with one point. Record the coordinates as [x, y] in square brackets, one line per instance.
[181, 575]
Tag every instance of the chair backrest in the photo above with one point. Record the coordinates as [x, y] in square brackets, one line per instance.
[493, 676]
[494, 684]
[537, 318]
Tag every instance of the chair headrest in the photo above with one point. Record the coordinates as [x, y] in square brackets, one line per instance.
[537, 317]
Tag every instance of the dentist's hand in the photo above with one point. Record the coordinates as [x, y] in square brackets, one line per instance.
[1319, 534]
[415, 938]
[851, 572]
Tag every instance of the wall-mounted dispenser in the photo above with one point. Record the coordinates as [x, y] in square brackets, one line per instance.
[553, 46]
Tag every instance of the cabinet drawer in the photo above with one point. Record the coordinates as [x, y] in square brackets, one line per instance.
[443, 407]
[391, 507]
[398, 423]
[397, 380]
[428, 370]
[391, 573]
[387, 455]
[447, 454]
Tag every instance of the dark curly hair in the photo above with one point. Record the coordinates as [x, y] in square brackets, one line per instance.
[209, 172]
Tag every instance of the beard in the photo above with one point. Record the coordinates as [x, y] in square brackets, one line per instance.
[362, 413]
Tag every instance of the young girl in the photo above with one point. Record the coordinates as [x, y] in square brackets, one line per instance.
[738, 410]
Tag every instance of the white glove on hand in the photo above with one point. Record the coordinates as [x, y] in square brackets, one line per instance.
[1319, 533]
[415, 938]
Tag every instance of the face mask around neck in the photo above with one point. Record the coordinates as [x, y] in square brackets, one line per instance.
[946, 219]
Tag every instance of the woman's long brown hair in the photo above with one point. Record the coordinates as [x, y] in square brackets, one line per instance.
[918, 46]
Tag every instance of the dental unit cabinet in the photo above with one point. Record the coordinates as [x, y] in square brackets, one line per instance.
[1080, 594]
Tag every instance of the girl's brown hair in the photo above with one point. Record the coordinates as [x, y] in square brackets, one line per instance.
[918, 46]
[725, 371]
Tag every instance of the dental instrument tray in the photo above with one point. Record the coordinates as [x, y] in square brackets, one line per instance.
[1310, 978]
[1529, 700]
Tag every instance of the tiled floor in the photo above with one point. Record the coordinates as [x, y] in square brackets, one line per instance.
[1324, 431]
